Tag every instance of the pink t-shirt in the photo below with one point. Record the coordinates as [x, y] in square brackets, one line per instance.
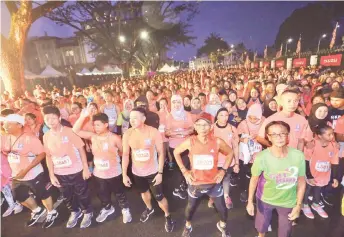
[143, 144]
[162, 124]
[297, 123]
[63, 148]
[107, 163]
[174, 125]
[230, 136]
[21, 152]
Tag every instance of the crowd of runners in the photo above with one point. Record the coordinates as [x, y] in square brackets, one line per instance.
[281, 131]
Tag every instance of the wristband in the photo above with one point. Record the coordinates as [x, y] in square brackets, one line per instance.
[160, 173]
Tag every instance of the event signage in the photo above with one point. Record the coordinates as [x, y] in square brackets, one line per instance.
[280, 63]
[313, 60]
[299, 62]
[331, 60]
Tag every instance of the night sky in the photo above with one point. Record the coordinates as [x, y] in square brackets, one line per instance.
[254, 23]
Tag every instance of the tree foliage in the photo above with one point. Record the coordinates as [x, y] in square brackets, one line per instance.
[166, 23]
[23, 13]
[212, 44]
[311, 21]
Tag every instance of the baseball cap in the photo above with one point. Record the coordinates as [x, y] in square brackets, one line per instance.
[337, 94]
[206, 117]
[13, 118]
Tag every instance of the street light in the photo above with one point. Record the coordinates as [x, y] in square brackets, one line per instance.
[286, 45]
[322, 37]
[121, 38]
[232, 46]
[144, 34]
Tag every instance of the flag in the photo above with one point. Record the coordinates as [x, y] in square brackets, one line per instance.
[255, 56]
[298, 47]
[247, 62]
[279, 53]
[334, 34]
[266, 52]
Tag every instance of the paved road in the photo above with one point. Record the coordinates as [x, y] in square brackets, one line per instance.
[204, 221]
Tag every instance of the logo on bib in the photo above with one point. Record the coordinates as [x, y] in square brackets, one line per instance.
[141, 155]
[65, 139]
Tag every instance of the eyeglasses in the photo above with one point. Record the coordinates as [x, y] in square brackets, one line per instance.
[282, 135]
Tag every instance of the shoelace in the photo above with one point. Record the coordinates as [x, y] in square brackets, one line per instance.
[49, 217]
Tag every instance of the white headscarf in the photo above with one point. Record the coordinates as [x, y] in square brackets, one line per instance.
[178, 114]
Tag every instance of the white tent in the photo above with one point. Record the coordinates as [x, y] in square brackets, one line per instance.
[84, 71]
[165, 68]
[117, 70]
[173, 68]
[30, 75]
[51, 72]
[112, 70]
[96, 72]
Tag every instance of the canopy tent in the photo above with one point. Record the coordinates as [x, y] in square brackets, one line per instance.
[96, 72]
[84, 71]
[112, 70]
[51, 72]
[29, 75]
[173, 68]
[165, 68]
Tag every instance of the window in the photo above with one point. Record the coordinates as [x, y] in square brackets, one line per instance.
[69, 53]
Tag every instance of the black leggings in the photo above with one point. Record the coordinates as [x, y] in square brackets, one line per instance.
[108, 186]
[316, 194]
[186, 161]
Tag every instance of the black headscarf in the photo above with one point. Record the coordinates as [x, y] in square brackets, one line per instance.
[267, 112]
[242, 113]
[188, 108]
[313, 121]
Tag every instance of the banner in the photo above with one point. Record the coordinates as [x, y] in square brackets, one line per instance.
[266, 64]
[255, 65]
[261, 64]
[280, 63]
[273, 63]
[289, 63]
[314, 60]
[331, 60]
[299, 62]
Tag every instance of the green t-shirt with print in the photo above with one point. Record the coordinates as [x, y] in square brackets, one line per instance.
[278, 177]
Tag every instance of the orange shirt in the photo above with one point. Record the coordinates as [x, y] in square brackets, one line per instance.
[320, 159]
[174, 125]
[297, 123]
[143, 143]
[21, 152]
[230, 136]
[107, 163]
[63, 148]
[204, 160]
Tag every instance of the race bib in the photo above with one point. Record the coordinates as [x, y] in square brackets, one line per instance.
[203, 162]
[102, 164]
[112, 121]
[141, 155]
[257, 147]
[62, 162]
[322, 166]
[162, 128]
[13, 158]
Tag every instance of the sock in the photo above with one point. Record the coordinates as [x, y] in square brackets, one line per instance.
[52, 211]
[6, 190]
[38, 209]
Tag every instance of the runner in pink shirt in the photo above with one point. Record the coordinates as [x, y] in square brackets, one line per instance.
[67, 165]
[106, 148]
[24, 153]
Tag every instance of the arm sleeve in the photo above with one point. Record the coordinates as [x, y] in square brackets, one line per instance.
[334, 170]
[308, 171]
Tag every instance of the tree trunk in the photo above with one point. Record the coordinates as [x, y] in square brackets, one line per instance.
[12, 49]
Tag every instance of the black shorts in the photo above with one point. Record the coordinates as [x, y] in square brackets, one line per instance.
[40, 186]
[146, 183]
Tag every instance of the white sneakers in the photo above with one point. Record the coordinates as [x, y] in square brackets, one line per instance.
[16, 208]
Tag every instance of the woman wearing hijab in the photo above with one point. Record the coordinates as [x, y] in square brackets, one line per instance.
[178, 127]
[232, 96]
[214, 104]
[248, 130]
[317, 118]
[270, 107]
[241, 111]
[123, 118]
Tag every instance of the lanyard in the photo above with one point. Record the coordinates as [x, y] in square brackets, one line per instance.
[12, 145]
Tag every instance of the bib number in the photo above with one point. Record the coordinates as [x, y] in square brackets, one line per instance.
[13, 158]
[142, 155]
[203, 162]
[102, 164]
[322, 166]
[62, 162]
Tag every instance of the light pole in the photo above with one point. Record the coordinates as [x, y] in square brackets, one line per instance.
[322, 37]
[286, 45]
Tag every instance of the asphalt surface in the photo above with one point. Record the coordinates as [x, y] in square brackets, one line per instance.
[204, 222]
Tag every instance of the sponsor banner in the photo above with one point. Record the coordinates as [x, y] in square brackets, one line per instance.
[273, 63]
[255, 65]
[331, 60]
[266, 64]
[314, 60]
[299, 62]
[280, 63]
[289, 63]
